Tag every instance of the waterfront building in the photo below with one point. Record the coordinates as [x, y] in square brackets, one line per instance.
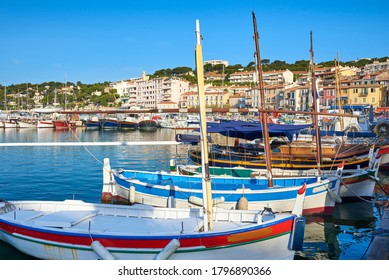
[146, 93]
[165, 105]
[278, 77]
[274, 97]
[376, 66]
[213, 99]
[216, 62]
[270, 77]
[243, 77]
[238, 100]
[213, 76]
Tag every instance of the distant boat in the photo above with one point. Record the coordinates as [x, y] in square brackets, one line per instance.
[10, 123]
[17, 123]
[128, 123]
[93, 123]
[147, 124]
[45, 124]
[64, 124]
[110, 123]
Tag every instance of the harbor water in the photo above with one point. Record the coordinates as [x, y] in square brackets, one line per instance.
[58, 173]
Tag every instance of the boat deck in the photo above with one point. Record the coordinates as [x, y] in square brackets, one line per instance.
[142, 220]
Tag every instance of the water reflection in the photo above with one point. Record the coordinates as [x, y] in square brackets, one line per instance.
[344, 235]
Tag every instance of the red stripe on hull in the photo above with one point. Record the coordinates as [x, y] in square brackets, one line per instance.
[107, 197]
[209, 241]
[328, 210]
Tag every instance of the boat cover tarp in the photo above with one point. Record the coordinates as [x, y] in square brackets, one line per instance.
[350, 134]
[192, 139]
[252, 130]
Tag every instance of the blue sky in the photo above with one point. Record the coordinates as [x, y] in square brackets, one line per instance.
[97, 41]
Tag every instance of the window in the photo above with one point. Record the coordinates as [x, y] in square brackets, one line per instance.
[372, 90]
[373, 100]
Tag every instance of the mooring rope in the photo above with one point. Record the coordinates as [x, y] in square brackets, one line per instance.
[361, 198]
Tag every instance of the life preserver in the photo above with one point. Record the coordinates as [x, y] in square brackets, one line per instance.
[382, 129]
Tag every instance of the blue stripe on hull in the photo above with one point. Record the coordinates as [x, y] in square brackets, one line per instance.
[217, 191]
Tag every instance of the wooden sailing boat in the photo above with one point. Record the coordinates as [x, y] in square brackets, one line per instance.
[356, 183]
[160, 188]
[77, 230]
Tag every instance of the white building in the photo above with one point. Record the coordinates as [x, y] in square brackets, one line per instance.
[148, 94]
[376, 66]
[271, 77]
[243, 77]
[216, 62]
[278, 77]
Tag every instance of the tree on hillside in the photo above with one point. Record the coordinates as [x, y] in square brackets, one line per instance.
[163, 73]
[265, 61]
[178, 71]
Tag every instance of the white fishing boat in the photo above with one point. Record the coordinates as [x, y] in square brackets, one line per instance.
[45, 123]
[74, 229]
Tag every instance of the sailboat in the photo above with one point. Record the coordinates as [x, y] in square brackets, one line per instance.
[163, 188]
[74, 229]
[357, 183]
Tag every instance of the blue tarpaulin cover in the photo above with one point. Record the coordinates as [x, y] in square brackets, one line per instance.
[253, 130]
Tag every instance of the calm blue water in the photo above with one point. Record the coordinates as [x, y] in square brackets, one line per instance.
[58, 173]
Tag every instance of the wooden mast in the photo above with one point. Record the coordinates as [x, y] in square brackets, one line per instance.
[315, 107]
[206, 179]
[338, 92]
[264, 115]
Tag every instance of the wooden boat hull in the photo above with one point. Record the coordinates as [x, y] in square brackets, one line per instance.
[128, 125]
[109, 124]
[65, 231]
[147, 125]
[294, 150]
[161, 188]
[358, 186]
[89, 124]
[355, 185]
[221, 160]
[62, 124]
[10, 124]
[45, 124]
[15, 123]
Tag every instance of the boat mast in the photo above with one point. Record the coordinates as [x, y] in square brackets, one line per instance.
[316, 101]
[206, 179]
[264, 115]
[338, 91]
[5, 98]
[66, 91]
